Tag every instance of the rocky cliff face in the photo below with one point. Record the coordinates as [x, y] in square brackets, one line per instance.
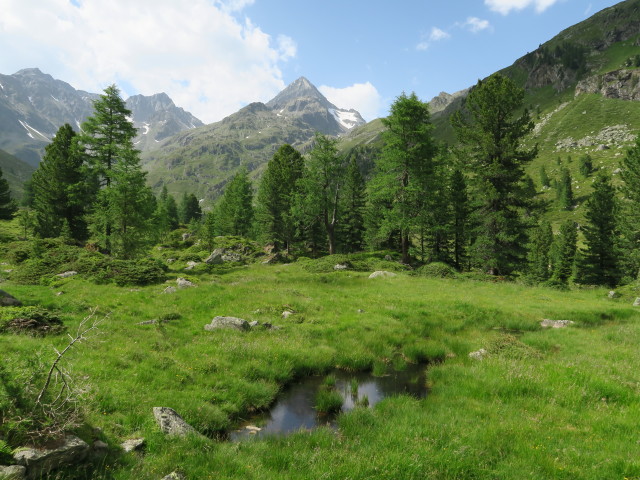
[622, 84]
[444, 99]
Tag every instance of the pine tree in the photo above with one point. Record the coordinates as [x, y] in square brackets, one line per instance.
[564, 253]
[544, 178]
[585, 165]
[539, 250]
[492, 138]
[60, 190]
[108, 138]
[404, 171]
[235, 210]
[353, 204]
[630, 212]
[599, 261]
[8, 206]
[459, 202]
[278, 187]
[565, 190]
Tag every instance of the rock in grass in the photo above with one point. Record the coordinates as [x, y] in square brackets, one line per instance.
[478, 355]
[216, 257]
[169, 289]
[174, 476]
[133, 444]
[341, 266]
[548, 323]
[184, 283]
[40, 461]
[227, 322]
[612, 294]
[70, 273]
[382, 274]
[637, 302]
[12, 472]
[7, 300]
[287, 313]
[171, 423]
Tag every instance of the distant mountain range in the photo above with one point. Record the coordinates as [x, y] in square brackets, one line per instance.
[33, 105]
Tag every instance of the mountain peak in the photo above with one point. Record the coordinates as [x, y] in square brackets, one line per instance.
[302, 88]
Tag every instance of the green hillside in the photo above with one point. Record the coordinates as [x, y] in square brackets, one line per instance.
[16, 172]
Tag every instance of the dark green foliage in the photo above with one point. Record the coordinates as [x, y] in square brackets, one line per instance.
[599, 261]
[437, 270]
[209, 229]
[190, 208]
[59, 187]
[30, 320]
[564, 192]
[630, 212]
[401, 187]
[321, 187]
[234, 214]
[563, 253]
[539, 249]
[460, 207]
[277, 189]
[145, 271]
[166, 214]
[585, 165]
[351, 228]
[8, 206]
[491, 137]
[544, 178]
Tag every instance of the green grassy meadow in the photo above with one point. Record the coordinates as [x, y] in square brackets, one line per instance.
[544, 403]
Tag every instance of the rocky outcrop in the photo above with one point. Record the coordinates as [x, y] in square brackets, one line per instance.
[548, 323]
[171, 423]
[382, 274]
[621, 84]
[133, 444]
[614, 135]
[227, 322]
[40, 461]
[184, 283]
[478, 354]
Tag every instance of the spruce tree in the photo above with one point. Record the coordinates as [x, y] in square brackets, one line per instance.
[544, 178]
[8, 206]
[565, 190]
[630, 212]
[353, 204]
[404, 171]
[459, 202]
[585, 165]
[190, 209]
[235, 209]
[539, 250]
[491, 136]
[278, 187]
[564, 253]
[60, 190]
[599, 260]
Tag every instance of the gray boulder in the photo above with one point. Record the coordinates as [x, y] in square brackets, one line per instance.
[7, 300]
[612, 294]
[227, 322]
[133, 444]
[174, 476]
[68, 274]
[216, 257]
[341, 266]
[478, 354]
[184, 283]
[169, 289]
[12, 472]
[40, 461]
[171, 423]
[548, 323]
[382, 274]
[637, 302]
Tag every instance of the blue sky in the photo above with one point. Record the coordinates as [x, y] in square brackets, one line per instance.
[214, 56]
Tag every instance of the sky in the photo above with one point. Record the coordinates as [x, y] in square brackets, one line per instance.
[212, 57]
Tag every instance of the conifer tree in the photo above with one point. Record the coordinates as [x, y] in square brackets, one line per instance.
[321, 189]
[599, 260]
[60, 190]
[564, 253]
[459, 202]
[565, 190]
[235, 210]
[108, 138]
[585, 165]
[8, 206]
[544, 178]
[278, 187]
[630, 212]
[539, 250]
[190, 208]
[403, 171]
[491, 136]
[353, 204]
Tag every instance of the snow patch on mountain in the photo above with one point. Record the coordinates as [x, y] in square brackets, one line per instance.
[346, 118]
[30, 131]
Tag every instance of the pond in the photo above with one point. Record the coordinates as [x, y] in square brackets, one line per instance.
[294, 409]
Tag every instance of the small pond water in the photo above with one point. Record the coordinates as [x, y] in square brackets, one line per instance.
[294, 409]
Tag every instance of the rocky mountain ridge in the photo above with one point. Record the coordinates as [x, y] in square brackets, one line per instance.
[33, 105]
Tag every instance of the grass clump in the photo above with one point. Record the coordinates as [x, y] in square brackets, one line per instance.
[437, 270]
[30, 320]
[328, 401]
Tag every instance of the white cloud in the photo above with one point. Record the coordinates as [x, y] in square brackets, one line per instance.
[475, 24]
[505, 6]
[363, 97]
[435, 35]
[198, 52]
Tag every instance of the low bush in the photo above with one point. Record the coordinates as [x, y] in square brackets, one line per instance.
[437, 270]
[30, 320]
[145, 271]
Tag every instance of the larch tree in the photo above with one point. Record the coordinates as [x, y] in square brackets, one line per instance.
[403, 171]
[234, 215]
[491, 134]
[630, 212]
[275, 198]
[353, 204]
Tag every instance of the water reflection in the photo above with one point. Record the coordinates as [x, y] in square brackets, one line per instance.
[294, 410]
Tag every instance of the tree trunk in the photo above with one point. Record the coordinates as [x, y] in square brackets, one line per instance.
[405, 248]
